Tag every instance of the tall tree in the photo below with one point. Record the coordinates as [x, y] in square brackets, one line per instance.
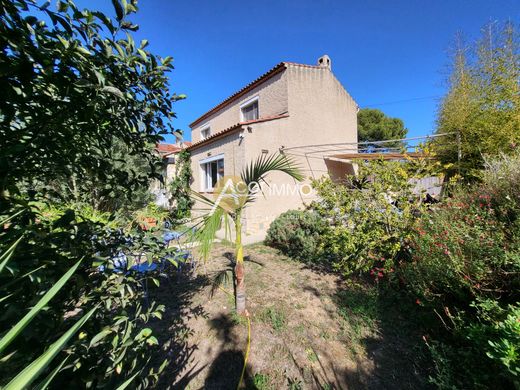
[482, 105]
[78, 95]
[374, 125]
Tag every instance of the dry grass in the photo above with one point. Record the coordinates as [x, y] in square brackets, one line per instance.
[310, 330]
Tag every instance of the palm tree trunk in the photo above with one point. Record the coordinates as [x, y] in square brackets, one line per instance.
[240, 287]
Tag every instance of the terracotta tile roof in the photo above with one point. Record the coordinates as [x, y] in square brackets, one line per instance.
[230, 129]
[266, 76]
[166, 148]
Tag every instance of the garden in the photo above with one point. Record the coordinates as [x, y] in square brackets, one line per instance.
[373, 285]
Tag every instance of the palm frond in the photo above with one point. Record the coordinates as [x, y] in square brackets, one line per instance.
[217, 216]
[197, 196]
[256, 171]
[210, 224]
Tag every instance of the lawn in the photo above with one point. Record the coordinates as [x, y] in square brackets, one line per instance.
[310, 329]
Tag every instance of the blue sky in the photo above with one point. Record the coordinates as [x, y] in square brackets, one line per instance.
[384, 52]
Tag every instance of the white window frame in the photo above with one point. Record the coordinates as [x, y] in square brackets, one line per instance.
[205, 178]
[203, 129]
[247, 103]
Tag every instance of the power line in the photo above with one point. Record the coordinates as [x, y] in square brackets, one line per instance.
[403, 101]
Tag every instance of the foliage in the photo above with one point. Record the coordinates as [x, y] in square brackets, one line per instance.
[80, 100]
[483, 100]
[275, 317]
[296, 234]
[71, 89]
[90, 190]
[505, 347]
[149, 217]
[262, 381]
[180, 186]
[464, 264]
[467, 247]
[109, 340]
[367, 220]
[374, 125]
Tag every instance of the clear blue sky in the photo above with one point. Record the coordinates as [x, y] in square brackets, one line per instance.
[382, 51]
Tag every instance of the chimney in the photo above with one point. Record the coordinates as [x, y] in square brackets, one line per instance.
[324, 61]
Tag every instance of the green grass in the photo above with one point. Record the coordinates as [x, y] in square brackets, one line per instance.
[276, 317]
[262, 382]
[238, 319]
[311, 355]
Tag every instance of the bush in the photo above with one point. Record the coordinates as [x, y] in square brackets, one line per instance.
[296, 234]
[368, 218]
[464, 263]
[469, 247]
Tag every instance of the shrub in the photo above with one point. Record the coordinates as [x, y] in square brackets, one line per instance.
[181, 197]
[469, 246]
[296, 234]
[464, 263]
[368, 218]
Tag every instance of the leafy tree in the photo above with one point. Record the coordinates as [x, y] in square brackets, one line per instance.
[71, 89]
[79, 95]
[481, 108]
[93, 192]
[374, 125]
[180, 186]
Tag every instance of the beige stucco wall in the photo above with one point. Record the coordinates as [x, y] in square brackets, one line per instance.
[320, 111]
[229, 146]
[272, 101]
[281, 192]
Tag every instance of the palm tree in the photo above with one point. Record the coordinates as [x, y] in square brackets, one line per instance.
[234, 195]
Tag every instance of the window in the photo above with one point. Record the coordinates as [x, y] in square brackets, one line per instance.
[250, 111]
[213, 171]
[205, 133]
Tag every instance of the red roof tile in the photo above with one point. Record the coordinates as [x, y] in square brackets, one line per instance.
[166, 148]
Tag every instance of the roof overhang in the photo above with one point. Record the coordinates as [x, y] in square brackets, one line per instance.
[232, 129]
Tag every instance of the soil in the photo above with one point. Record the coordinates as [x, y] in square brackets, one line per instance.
[310, 329]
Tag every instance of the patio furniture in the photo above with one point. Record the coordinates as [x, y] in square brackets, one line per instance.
[183, 257]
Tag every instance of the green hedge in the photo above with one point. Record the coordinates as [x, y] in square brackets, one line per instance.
[297, 234]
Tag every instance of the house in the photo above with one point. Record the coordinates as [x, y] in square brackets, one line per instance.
[167, 152]
[290, 105]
